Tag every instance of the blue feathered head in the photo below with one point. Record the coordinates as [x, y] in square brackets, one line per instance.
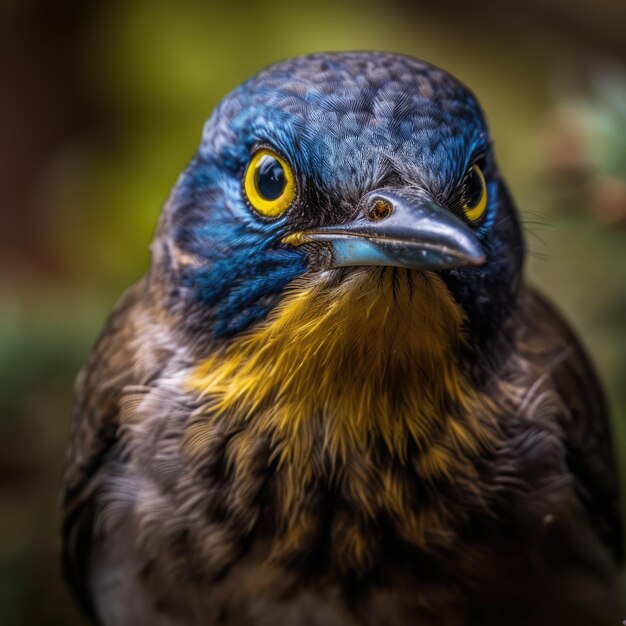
[332, 161]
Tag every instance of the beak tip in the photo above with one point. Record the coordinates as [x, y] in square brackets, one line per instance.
[462, 250]
[477, 259]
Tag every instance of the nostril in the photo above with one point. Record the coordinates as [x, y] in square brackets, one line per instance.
[380, 210]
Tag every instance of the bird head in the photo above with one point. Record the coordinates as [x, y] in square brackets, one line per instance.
[331, 164]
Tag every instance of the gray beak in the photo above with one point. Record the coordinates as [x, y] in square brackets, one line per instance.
[394, 231]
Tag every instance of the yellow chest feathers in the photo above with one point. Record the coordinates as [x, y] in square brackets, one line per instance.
[355, 391]
[371, 358]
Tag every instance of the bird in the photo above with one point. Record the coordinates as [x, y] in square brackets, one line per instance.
[333, 398]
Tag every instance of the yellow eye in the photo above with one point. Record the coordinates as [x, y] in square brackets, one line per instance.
[269, 183]
[475, 194]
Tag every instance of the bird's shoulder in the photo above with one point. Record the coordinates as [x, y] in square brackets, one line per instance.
[107, 370]
[120, 359]
[550, 346]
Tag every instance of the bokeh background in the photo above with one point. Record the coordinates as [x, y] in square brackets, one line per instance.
[101, 106]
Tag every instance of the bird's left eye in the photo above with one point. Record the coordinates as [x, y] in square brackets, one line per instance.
[269, 183]
[474, 194]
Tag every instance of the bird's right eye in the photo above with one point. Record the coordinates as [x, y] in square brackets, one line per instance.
[269, 183]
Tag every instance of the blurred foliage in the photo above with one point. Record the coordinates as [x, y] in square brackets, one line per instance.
[106, 107]
[585, 143]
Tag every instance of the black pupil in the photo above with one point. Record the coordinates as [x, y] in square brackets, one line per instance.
[270, 178]
[473, 189]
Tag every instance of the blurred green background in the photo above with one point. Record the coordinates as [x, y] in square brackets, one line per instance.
[103, 104]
